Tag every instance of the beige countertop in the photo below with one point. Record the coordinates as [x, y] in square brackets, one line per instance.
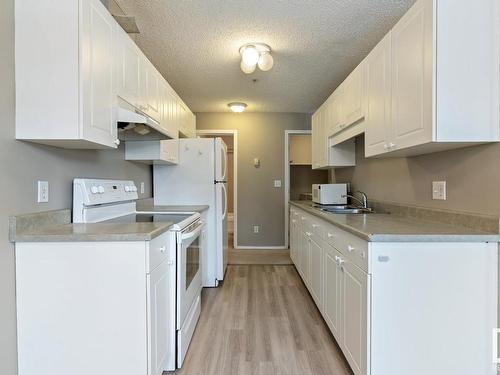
[385, 227]
[56, 226]
[93, 232]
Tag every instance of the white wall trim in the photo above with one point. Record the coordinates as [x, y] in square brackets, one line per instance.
[287, 175]
[234, 133]
[261, 248]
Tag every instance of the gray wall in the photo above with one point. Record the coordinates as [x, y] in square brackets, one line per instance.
[472, 175]
[260, 135]
[21, 165]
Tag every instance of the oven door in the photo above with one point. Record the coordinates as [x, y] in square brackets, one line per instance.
[189, 252]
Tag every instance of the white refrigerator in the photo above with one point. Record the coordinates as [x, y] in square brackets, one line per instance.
[200, 179]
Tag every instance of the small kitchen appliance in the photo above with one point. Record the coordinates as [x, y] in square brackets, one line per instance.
[329, 194]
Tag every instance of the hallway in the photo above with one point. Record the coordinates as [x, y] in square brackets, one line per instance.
[261, 320]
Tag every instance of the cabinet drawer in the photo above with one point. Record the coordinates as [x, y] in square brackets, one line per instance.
[158, 249]
[354, 248]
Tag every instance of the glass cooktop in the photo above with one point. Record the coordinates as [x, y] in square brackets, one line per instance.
[151, 218]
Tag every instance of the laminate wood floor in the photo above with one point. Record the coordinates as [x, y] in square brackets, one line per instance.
[262, 320]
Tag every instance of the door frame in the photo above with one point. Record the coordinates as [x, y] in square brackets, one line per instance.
[234, 133]
[288, 133]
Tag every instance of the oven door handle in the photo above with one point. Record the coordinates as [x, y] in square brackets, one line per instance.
[193, 233]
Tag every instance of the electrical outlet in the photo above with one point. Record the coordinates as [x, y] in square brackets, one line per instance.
[43, 192]
[142, 188]
[277, 183]
[256, 229]
[439, 190]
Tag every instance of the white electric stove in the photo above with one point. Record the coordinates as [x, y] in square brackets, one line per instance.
[114, 201]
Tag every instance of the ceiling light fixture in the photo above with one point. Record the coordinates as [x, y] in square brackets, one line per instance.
[237, 107]
[256, 54]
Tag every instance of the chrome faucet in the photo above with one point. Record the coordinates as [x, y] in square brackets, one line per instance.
[363, 201]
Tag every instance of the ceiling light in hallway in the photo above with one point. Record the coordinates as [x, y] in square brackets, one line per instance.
[237, 107]
[256, 54]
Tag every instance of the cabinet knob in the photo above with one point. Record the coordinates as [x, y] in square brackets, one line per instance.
[170, 262]
[116, 142]
[350, 248]
[392, 145]
[330, 235]
[315, 225]
[386, 147]
[163, 249]
[308, 234]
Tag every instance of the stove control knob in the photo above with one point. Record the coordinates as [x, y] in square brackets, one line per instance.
[134, 188]
[101, 189]
[94, 190]
[127, 188]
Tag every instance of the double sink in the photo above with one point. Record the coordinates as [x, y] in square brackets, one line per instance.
[344, 209]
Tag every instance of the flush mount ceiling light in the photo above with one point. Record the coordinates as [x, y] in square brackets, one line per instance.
[256, 54]
[237, 107]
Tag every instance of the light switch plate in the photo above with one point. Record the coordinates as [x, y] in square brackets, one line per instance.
[256, 229]
[277, 183]
[142, 188]
[43, 192]
[439, 190]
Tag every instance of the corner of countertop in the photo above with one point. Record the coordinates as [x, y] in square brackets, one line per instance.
[27, 222]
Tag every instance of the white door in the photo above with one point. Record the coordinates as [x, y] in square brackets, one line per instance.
[161, 346]
[412, 67]
[128, 68]
[333, 292]
[378, 98]
[98, 92]
[316, 273]
[353, 100]
[304, 261]
[355, 317]
[153, 92]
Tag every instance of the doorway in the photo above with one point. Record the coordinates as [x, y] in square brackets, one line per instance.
[230, 138]
[299, 175]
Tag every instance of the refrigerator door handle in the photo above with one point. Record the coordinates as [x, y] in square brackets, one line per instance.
[225, 201]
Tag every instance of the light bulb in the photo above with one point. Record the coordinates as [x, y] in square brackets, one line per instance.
[266, 61]
[250, 55]
[247, 69]
[237, 107]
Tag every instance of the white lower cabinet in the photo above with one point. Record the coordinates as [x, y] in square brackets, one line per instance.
[96, 307]
[400, 308]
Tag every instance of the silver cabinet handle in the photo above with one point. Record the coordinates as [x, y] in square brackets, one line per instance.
[116, 142]
[163, 249]
[350, 248]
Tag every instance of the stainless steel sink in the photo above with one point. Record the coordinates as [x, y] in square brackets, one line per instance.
[346, 210]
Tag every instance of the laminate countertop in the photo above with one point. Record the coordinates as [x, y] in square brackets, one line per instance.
[383, 227]
[56, 226]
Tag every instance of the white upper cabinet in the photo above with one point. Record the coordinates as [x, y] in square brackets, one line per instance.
[65, 89]
[378, 98]
[431, 84]
[352, 94]
[74, 66]
[412, 77]
[97, 68]
[128, 64]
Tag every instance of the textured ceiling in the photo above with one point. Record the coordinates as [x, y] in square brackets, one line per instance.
[316, 43]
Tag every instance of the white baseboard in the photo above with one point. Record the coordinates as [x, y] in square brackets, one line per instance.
[261, 248]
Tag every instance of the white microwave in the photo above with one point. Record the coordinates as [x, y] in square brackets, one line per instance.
[329, 194]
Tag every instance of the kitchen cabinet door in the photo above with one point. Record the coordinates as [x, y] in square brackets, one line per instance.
[378, 98]
[353, 97]
[160, 318]
[304, 257]
[334, 114]
[293, 239]
[98, 67]
[128, 57]
[153, 92]
[316, 272]
[412, 67]
[333, 279]
[355, 303]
